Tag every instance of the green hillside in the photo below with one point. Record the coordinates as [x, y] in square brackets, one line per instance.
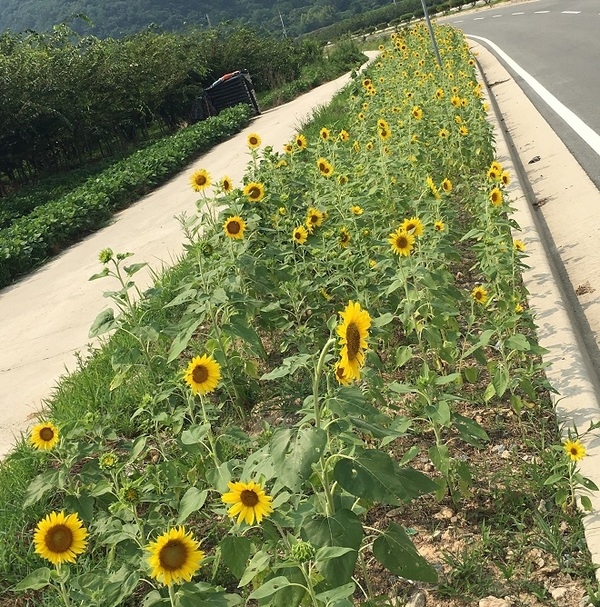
[117, 18]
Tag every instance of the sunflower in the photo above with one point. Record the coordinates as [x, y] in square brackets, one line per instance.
[518, 308]
[369, 146]
[314, 218]
[288, 148]
[353, 333]
[574, 449]
[356, 210]
[174, 557]
[479, 294]
[344, 135]
[324, 134]
[44, 436]
[300, 234]
[343, 179]
[496, 197]
[234, 227]
[439, 226]
[325, 167]
[447, 185]
[417, 112]
[59, 538]
[361, 116]
[455, 100]
[253, 141]
[250, 502]
[496, 166]
[200, 180]
[203, 374]
[366, 82]
[301, 142]
[505, 177]
[439, 94]
[519, 245]
[384, 133]
[494, 174]
[402, 242]
[340, 374]
[345, 237]
[463, 130]
[254, 191]
[412, 226]
[226, 184]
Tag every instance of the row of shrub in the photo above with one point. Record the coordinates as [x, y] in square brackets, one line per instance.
[31, 239]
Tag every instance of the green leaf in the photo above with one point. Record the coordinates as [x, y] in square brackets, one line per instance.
[395, 551]
[414, 483]
[489, 393]
[403, 355]
[440, 456]
[270, 587]
[517, 342]
[343, 529]
[291, 595]
[134, 268]
[258, 563]
[442, 380]
[238, 328]
[351, 401]
[384, 319]
[34, 581]
[471, 374]
[182, 339]
[195, 434]
[236, 552]
[294, 453]
[331, 552]
[136, 449]
[470, 431]
[335, 595]
[102, 274]
[500, 380]
[39, 486]
[192, 500]
[586, 503]
[290, 365]
[105, 321]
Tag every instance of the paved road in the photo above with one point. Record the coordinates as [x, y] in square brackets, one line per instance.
[558, 43]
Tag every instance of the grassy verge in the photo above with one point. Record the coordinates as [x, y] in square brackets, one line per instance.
[344, 358]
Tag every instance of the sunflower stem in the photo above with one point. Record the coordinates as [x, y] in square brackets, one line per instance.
[63, 589]
[305, 568]
[317, 378]
[172, 595]
[209, 434]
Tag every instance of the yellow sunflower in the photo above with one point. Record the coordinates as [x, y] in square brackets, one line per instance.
[443, 134]
[226, 184]
[345, 237]
[301, 142]
[324, 134]
[300, 234]
[314, 218]
[479, 294]
[325, 167]
[447, 185]
[574, 449]
[463, 130]
[254, 141]
[250, 502]
[417, 112]
[288, 148]
[254, 191]
[203, 374]
[344, 135]
[402, 242]
[200, 180]
[496, 197]
[174, 557]
[59, 538]
[369, 146]
[439, 94]
[44, 436]
[519, 245]
[234, 227]
[439, 226]
[384, 134]
[343, 179]
[412, 226]
[505, 177]
[353, 333]
[455, 100]
[356, 210]
[340, 374]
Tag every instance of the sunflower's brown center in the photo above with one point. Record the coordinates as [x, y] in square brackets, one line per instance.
[298, 235]
[314, 218]
[46, 434]
[344, 237]
[234, 227]
[201, 180]
[322, 167]
[254, 192]
[574, 450]
[173, 555]
[253, 141]
[200, 374]
[226, 185]
[401, 241]
[59, 539]
[249, 498]
[352, 340]
[340, 372]
[478, 295]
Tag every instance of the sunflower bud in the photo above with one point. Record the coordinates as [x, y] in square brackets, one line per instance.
[303, 551]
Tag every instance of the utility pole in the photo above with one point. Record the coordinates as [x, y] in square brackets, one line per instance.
[435, 46]
[283, 24]
[208, 19]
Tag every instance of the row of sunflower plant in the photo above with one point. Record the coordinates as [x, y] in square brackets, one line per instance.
[344, 302]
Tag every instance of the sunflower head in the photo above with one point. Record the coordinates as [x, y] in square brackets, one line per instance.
[574, 449]
[44, 436]
[234, 227]
[203, 374]
[59, 538]
[345, 237]
[413, 226]
[249, 502]
[301, 142]
[439, 226]
[254, 191]
[344, 135]
[325, 167]
[314, 218]
[174, 557]
[353, 333]
[340, 374]
[226, 184]
[417, 112]
[324, 134]
[496, 197]
[253, 141]
[519, 245]
[356, 210]
[479, 294]
[200, 180]
[447, 185]
[299, 235]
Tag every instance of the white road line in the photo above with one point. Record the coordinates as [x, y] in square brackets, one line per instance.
[458, 22]
[581, 128]
[494, 16]
[518, 13]
[541, 12]
[478, 18]
[570, 12]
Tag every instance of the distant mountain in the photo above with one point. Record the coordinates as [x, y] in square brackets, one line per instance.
[117, 18]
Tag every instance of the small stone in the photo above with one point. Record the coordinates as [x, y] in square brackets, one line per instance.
[493, 601]
[558, 593]
[505, 454]
[418, 599]
[444, 513]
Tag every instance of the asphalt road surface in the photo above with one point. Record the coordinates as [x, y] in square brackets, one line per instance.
[556, 42]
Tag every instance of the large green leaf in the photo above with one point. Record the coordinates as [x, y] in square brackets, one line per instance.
[294, 453]
[238, 328]
[351, 401]
[192, 500]
[35, 580]
[236, 552]
[343, 529]
[395, 551]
